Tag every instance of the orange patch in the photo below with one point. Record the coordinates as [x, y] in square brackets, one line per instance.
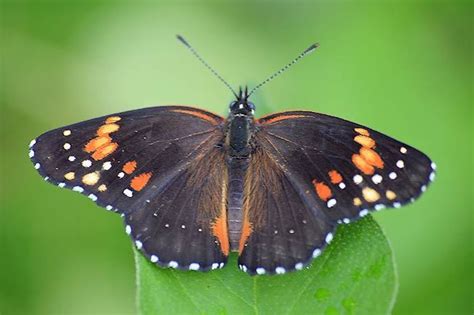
[365, 141]
[129, 167]
[246, 231]
[323, 190]
[112, 119]
[197, 114]
[104, 151]
[140, 181]
[279, 118]
[362, 164]
[362, 131]
[371, 157]
[336, 178]
[219, 229]
[96, 143]
[106, 129]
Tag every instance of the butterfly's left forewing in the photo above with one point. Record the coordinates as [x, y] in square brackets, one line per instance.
[310, 172]
[154, 167]
[349, 168]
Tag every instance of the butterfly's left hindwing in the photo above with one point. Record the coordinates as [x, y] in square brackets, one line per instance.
[141, 164]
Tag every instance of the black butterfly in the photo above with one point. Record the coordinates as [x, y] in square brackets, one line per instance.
[193, 186]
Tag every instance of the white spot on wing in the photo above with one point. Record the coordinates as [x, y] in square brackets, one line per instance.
[78, 189]
[194, 266]
[109, 207]
[173, 264]
[128, 229]
[316, 252]
[86, 163]
[61, 185]
[154, 258]
[392, 175]
[328, 238]
[432, 176]
[358, 179]
[92, 197]
[31, 153]
[37, 166]
[400, 164]
[32, 143]
[138, 244]
[280, 270]
[67, 146]
[299, 266]
[260, 271]
[71, 158]
[214, 266]
[121, 175]
[67, 132]
[342, 185]
[377, 179]
[433, 165]
[363, 213]
[106, 166]
[403, 150]
[331, 203]
[127, 192]
[397, 204]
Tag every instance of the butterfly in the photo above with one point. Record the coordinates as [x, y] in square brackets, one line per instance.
[192, 186]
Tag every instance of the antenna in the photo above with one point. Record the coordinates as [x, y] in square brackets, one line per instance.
[308, 50]
[194, 52]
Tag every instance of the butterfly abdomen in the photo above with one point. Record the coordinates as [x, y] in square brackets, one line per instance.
[237, 168]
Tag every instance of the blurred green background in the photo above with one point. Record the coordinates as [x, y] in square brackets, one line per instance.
[403, 68]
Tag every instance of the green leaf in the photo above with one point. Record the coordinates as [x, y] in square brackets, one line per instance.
[355, 275]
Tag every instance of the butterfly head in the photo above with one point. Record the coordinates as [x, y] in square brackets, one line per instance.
[242, 106]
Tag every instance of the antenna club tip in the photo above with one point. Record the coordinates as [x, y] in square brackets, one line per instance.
[312, 48]
[182, 40]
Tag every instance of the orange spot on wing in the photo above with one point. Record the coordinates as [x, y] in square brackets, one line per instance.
[335, 177]
[197, 114]
[246, 231]
[104, 151]
[365, 141]
[129, 167]
[140, 181]
[96, 143]
[371, 157]
[362, 131]
[279, 118]
[112, 119]
[323, 190]
[106, 129]
[362, 164]
[219, 230]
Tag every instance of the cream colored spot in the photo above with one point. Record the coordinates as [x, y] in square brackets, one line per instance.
[67, 146]
[102, 188]
[91, 178]
[69, 176]
[390, 195]
[403, 150]
[357, 201]
[370, 194]
[67, 132]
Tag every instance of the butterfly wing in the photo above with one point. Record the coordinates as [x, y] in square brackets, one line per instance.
[281, 229]
[152, 166]
[338, 170]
